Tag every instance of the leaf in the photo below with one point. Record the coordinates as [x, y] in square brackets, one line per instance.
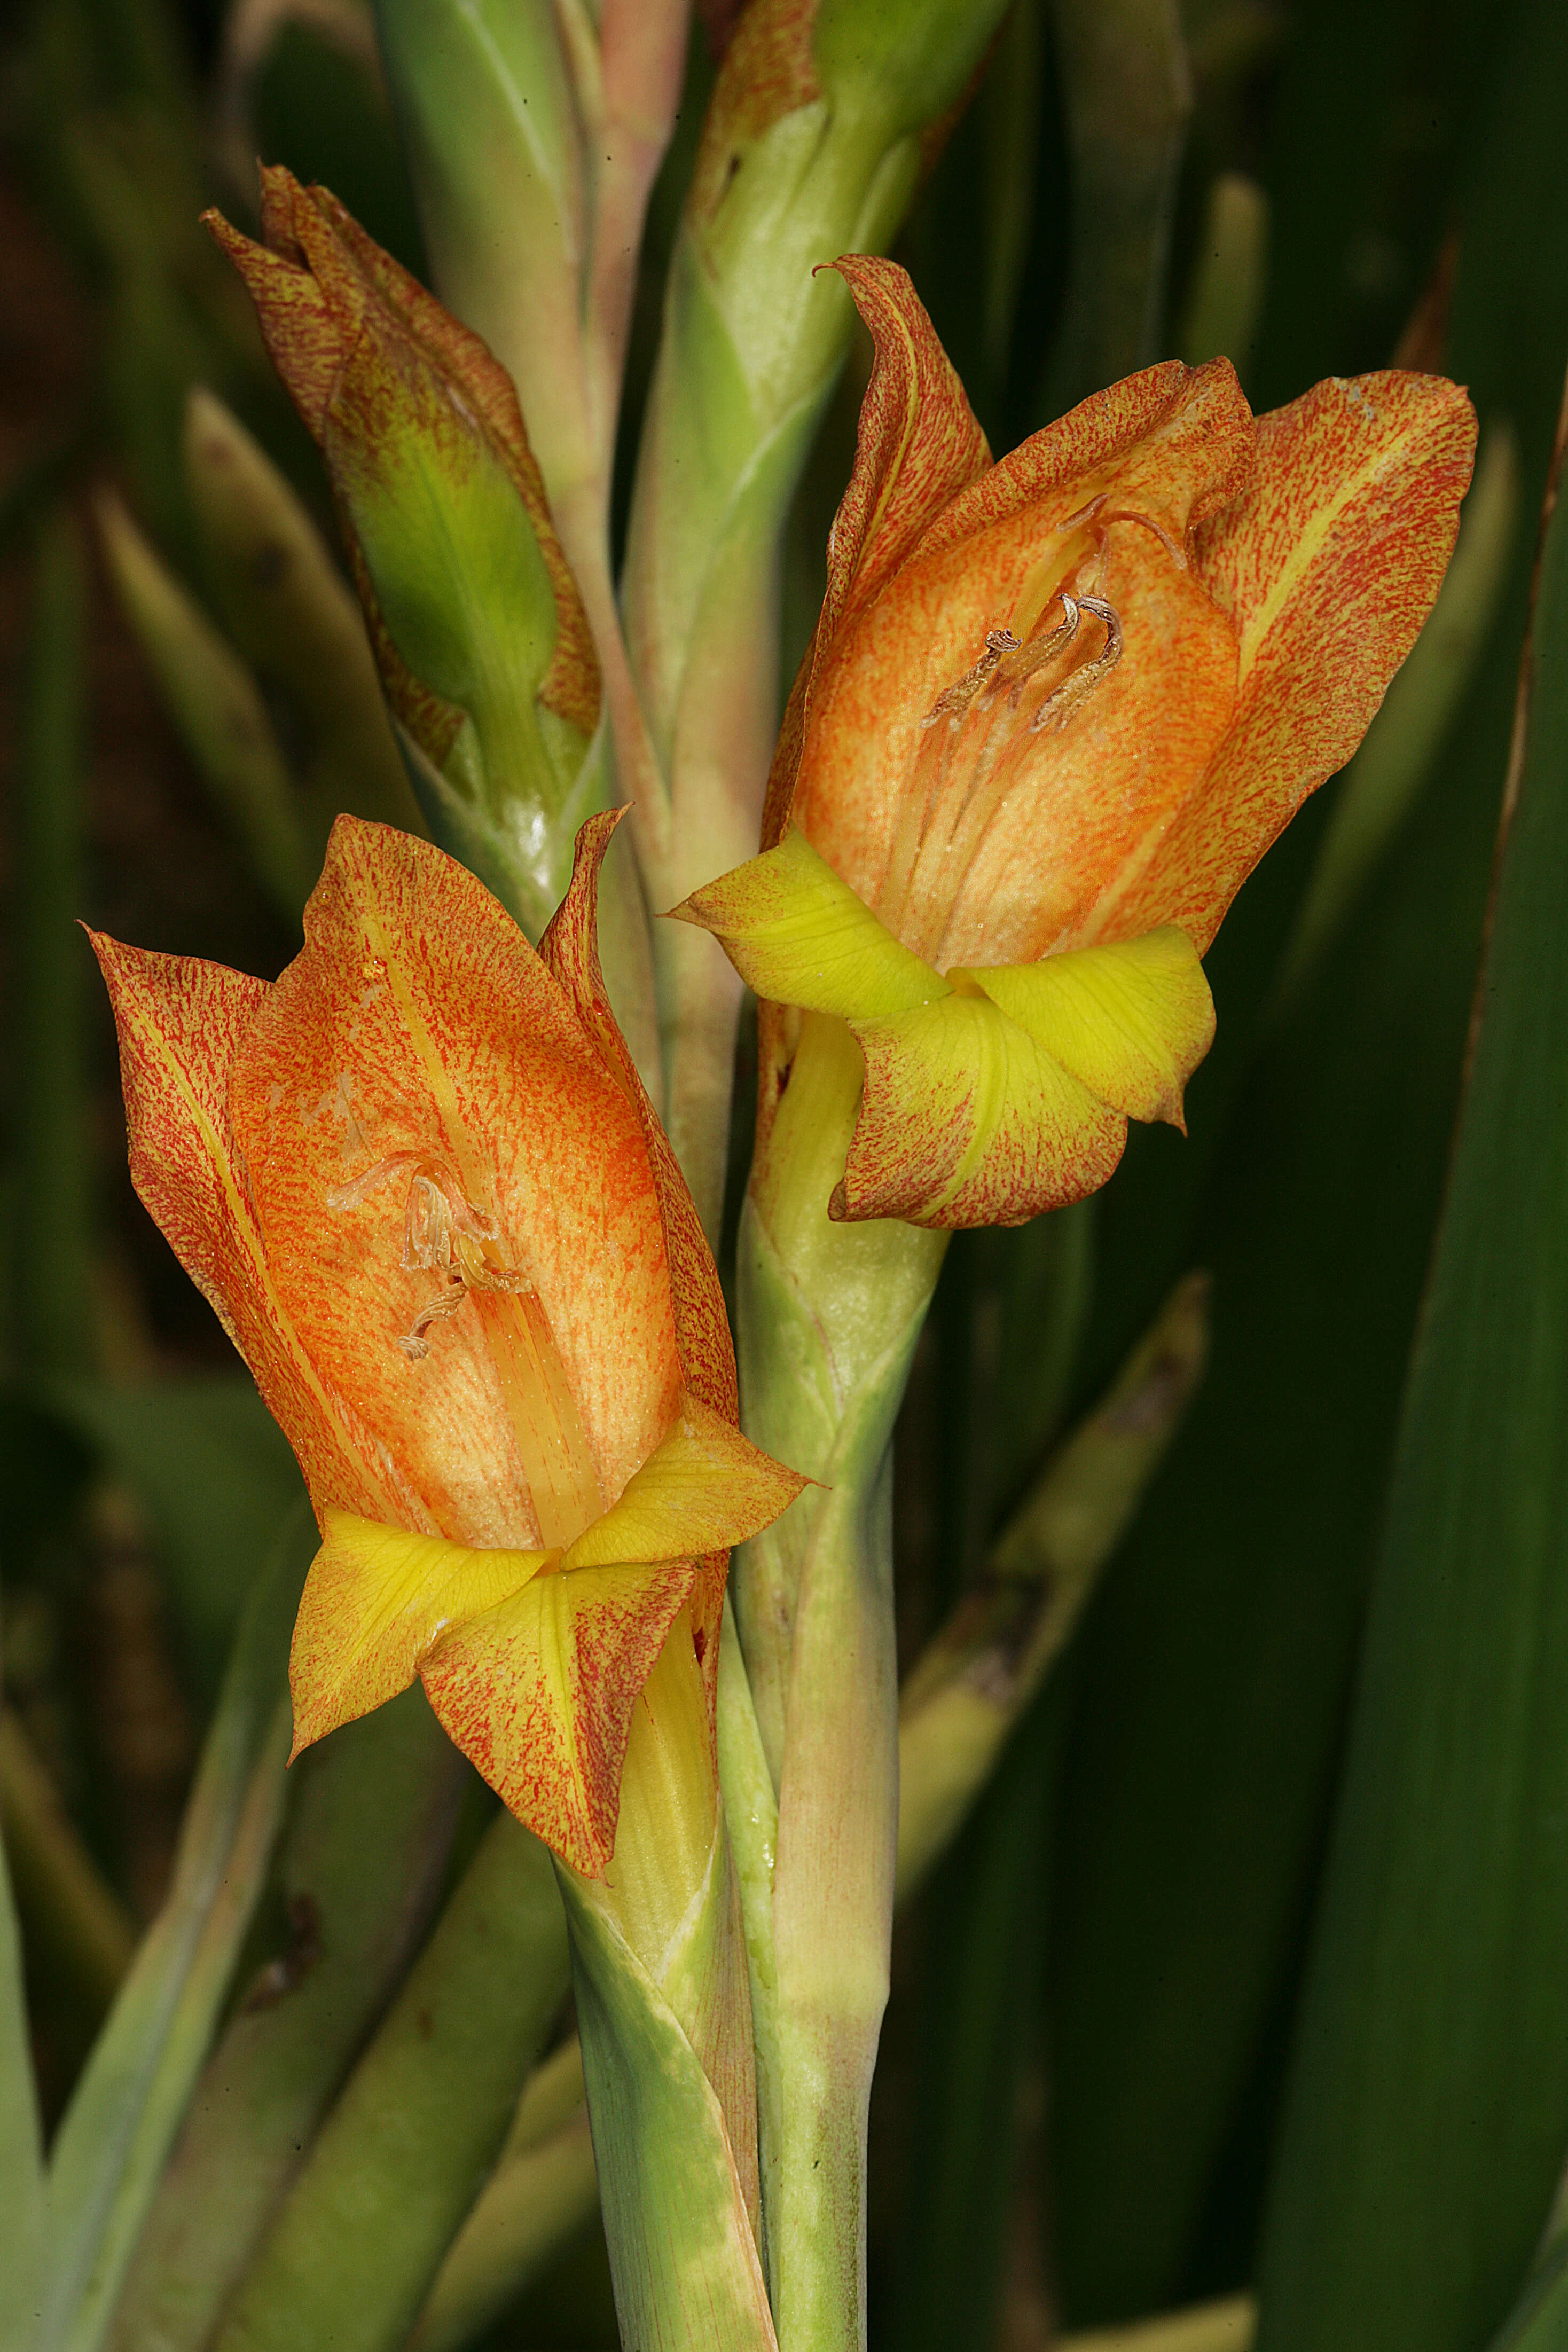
[1428, 2106]
[51, 1274]
[367, 2223]
[217, 706]
[23, 2195]
[360, 1870]
[1215, 1665]
[111, 2148]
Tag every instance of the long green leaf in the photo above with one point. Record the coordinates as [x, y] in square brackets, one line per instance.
[23, 2198]
[1429, 2099]
[367, 2223]
[1129, 95]
[111, 2148]
[359, 1870]
[1214, 1669]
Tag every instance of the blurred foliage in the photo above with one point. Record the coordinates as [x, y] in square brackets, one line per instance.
[1096, 2001]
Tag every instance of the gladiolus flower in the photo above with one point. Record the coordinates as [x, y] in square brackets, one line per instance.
[420, 1182]
[1055, 711]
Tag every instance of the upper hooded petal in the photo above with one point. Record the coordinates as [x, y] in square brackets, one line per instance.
[1104, 502]
[1328, 565]
[419, 1039]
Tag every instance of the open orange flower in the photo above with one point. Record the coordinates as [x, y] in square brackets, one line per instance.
[1055, 711]
[422, 1185]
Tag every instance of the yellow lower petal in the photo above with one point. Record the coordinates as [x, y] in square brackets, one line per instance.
[1133, 1022]
[966, 1121]
[798, 935]
[538, 1692]
[705, 1488]
[375, 1600]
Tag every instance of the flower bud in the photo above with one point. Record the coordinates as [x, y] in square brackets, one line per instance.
[478, 632]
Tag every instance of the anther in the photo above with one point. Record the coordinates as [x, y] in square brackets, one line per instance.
[954, 700]
[1073, 690]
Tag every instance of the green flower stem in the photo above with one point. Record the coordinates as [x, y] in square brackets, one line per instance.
[974, 1680]
[534, 153]
[751, 1808]
[829, 1316]
[366, 2225]
[659, 1969]
[360, 1870]
[69, 1905]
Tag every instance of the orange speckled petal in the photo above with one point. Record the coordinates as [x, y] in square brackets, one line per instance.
[375, 1602]
[570, 950]
[1328, 567]
[918, 444]
[417, 1067]
[181, 1026]
[538, 1694]
[965, 1121]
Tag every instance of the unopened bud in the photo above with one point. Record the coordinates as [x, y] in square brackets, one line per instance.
[478, 632]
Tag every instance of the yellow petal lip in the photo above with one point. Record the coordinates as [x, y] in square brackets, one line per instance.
[380, 1602]
[376, 1602]
[703, 1489]
[797, 934]
[1131, 1022]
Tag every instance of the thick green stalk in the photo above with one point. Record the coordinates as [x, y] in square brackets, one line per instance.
[663, 2008]
[535, 135]
[959, 1707]
[368, 2222]
[829, 1316]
